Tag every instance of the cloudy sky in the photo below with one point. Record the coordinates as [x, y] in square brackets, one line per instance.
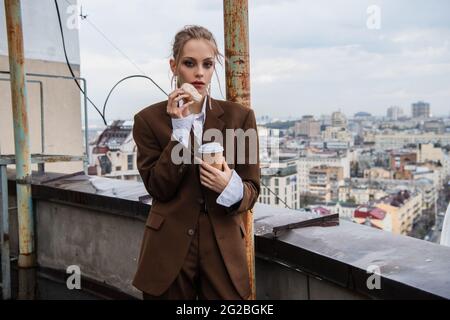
[307, 57]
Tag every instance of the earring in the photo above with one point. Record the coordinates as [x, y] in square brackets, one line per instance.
[174, 82]
[208, 89]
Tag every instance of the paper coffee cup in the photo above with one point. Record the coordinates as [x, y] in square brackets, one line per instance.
[212, 153]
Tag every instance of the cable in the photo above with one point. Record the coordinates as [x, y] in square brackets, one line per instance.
[70, 67]
[113, 45]
[103, 112]
[84, 18]
[123, 79]
[120, 51]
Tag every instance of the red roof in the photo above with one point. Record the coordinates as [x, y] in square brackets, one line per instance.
[372, 213]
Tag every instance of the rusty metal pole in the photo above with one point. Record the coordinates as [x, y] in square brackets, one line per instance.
[237, 74]
[21, 133]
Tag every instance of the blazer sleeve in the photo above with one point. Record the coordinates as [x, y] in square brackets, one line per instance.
[249, 173]
[160, 175]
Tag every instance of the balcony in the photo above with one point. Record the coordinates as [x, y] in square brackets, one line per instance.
[97, 224]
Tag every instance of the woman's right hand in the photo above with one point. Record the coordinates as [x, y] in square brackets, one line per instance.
[173, 110]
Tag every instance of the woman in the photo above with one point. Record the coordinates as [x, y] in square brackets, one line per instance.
[194, 240]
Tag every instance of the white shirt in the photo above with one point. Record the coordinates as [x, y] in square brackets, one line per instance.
[234, 191]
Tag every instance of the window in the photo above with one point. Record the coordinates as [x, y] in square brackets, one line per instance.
[130, 162]
[276, 182]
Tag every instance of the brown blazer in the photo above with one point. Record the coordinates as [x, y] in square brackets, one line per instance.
[178, 197]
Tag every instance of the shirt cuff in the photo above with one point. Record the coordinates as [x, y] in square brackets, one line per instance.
[182, 128]
[233, 192]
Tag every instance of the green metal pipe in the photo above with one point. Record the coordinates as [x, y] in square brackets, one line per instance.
[4, 234]
[21, 133]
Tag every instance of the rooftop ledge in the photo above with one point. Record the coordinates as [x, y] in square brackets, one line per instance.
[301, 263]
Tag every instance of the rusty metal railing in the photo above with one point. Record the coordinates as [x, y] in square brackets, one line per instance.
[52, 76]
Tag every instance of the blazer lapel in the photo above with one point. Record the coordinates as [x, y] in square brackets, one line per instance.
[213, 120]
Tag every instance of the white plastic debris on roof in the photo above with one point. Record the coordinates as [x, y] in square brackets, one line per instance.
[114, 187]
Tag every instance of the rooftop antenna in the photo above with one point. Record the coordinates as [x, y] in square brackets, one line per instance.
[83, 16]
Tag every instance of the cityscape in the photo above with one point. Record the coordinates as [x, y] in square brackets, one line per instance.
[390, 173]
[352, 115]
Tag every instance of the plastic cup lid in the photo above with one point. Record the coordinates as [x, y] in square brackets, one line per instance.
[212, 147]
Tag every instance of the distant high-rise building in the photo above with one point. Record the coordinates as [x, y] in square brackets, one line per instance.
[420, 109]
[307, 126]
[324, 182]
[436, 126]
[269, 141]
[394, 113]
[263, 119]
[305, 164]
[338, 119]
[279, 185]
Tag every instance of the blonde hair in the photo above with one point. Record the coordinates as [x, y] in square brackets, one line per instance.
[194, 32]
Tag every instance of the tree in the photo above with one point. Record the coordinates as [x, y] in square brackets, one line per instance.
[307, 199]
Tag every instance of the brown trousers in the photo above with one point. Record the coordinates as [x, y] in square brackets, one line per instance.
[203, 275]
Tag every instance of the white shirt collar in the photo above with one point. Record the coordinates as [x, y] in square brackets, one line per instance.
[202, 113]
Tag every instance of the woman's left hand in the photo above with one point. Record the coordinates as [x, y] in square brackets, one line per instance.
[213, 178]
